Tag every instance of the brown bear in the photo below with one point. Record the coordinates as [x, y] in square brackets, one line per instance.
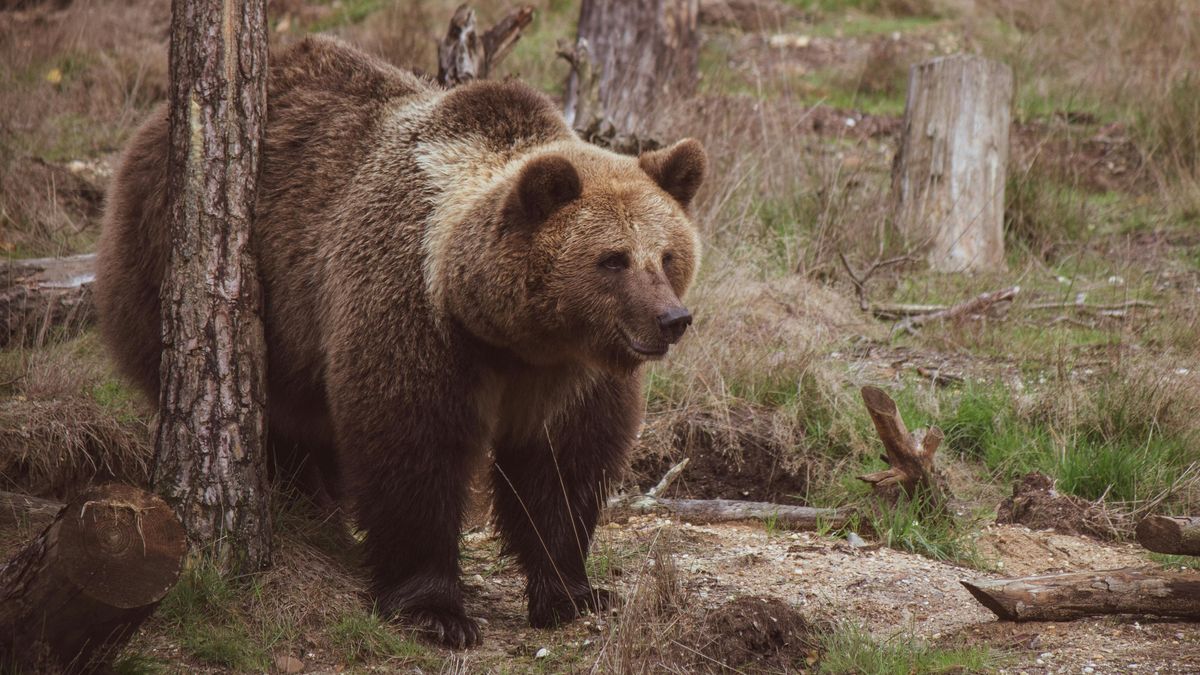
[445, 272]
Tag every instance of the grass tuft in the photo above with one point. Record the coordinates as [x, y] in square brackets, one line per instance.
[849, 648]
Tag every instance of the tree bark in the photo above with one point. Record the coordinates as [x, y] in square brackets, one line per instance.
[645, 54]
[42, 296]
[209, 454]
[76, 594]
[1063, 597]
[949, 176]
[1178, 535]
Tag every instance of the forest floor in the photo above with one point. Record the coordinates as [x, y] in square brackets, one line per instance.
[799, 106]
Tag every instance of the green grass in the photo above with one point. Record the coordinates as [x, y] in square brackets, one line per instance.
[204, 612]
[849, 648]
[138, 664]
[362, 637]
[1174, 562]
[911, 525]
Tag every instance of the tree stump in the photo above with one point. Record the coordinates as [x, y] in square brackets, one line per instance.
[464, 55]
[909, 456]
[950, 171]
[210, 462]
[77, 593]
[1179, 535]
[645, 53]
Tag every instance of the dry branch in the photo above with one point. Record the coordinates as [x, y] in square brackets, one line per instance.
[976, 305]
[728, 510]
[724, 510]
[17, 508]
[1179, 535]
[37, 296]
[463, 55]
[76, 593]
[1063, 597]
[910, 457]
[860, 279]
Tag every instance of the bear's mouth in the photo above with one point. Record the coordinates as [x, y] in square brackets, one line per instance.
[646, 351]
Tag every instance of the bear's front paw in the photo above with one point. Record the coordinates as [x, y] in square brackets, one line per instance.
[547, 610]
[453, 629]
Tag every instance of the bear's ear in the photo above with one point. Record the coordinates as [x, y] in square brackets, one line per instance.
[678, 170]
[545, 185]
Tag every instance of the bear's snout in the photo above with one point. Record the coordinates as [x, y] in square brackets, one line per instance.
[674, 322]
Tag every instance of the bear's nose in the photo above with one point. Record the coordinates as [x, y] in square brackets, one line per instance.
[674, 322]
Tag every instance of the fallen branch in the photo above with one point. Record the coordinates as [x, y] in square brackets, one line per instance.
[725, 510]
[1063, 597]
[17, 509]
[909, 456]
[1115, 307]
[1177, 535]
[463, 55]
[37, 296]
[76, 593]
[975, 305]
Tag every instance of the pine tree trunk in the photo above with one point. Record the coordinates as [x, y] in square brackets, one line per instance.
[949, 176]
[646, 53]
[209, 452]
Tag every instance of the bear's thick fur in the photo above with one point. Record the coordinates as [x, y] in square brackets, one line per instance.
[444, 273]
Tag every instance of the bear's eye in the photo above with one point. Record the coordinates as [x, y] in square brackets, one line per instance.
[668, 258]
[615, 262]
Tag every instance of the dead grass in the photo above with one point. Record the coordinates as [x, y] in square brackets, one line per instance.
[66, 421]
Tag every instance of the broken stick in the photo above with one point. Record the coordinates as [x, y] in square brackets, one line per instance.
[1063, 597]
[1178, 535]
[909, 456]
[725, 510]
[975, 305]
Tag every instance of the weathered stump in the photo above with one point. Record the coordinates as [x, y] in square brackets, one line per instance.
[950, 171]
[645, 54]
[464, 55]
[77, 592]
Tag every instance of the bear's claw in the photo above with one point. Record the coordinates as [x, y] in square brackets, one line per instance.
[455, 630]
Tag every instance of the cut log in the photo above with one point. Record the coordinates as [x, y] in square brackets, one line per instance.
[76, 593]
[909, 456]
[16, 509]
[1063, 597]
[729, 510]
[464, 55]
[41, 296]
[1179, 535]
[950, 172]
[645, 55]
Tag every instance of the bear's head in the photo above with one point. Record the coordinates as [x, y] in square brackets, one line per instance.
[592, 255]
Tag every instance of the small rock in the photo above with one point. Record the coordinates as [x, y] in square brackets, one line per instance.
[542, 653]
[856, 541]
[288, 664]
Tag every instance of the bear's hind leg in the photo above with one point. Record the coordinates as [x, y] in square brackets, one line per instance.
[548, 493]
